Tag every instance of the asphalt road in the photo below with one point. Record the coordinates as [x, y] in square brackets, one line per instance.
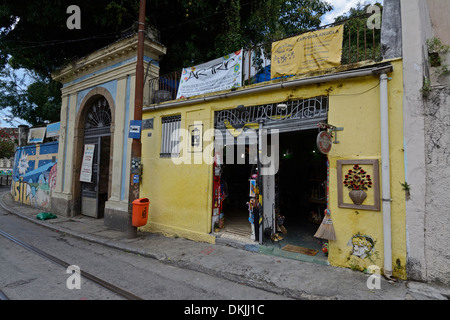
[27, 276]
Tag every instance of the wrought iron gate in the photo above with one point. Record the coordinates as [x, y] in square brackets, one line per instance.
[98, 133]
[289, 116]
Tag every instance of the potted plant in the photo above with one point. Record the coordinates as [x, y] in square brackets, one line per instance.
[358, 181]
[216, 227]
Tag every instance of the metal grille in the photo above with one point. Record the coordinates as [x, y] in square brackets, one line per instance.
[170, 137]
[275, 115]
[98, 119]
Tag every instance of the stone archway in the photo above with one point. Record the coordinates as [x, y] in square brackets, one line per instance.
[86, 133]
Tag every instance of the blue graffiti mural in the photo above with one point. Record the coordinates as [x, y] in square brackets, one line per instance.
[34, 174]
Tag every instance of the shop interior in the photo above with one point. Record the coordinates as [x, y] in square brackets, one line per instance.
[300, 194]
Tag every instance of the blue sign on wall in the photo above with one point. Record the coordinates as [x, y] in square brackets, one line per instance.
[135, 129]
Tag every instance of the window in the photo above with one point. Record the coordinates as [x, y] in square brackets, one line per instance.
[170, 136]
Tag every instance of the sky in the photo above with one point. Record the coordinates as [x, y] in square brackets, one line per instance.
[342, 6]
[7, 121]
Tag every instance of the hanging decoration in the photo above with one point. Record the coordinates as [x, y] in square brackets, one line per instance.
[326, 229]
[218, 196]
[254, 208]
[251, 217]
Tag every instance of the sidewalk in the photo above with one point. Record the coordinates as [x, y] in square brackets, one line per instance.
[292, 278]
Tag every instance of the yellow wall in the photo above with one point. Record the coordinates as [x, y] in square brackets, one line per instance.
[359, 114]
[180, 200]
[181, 195]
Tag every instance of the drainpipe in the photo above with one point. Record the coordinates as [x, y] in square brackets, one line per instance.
[385, 176]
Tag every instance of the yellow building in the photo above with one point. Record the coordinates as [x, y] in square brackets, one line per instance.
[260, 162]
[180, 183]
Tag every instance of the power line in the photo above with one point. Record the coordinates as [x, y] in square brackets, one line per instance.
[50, 43]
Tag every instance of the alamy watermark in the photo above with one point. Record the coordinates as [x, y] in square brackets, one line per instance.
[374, 281]
[374, 21]
[249, 147]
[74, 20]
[74, 280]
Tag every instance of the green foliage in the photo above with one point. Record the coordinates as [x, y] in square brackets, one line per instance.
[426, 88]
[34, 36]
[435, 49]
[197, 31]
[435, 45]
[360, 43]
[7, 141]
[36, 102]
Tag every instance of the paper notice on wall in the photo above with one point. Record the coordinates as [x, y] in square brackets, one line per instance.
[220, 74]
[86, 166]
[308, 52]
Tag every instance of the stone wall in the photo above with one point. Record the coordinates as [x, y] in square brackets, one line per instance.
[437, 203]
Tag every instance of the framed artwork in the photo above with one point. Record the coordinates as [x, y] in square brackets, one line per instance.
[358, 184]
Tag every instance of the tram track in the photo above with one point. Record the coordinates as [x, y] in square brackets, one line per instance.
[119, 291]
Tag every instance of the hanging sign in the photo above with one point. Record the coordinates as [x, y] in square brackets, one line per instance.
[86, 166]
[53, 129]
[324, 142]
[307, 52]
[37, 135]
[217, 75]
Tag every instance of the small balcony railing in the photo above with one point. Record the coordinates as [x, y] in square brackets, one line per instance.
[360, 43]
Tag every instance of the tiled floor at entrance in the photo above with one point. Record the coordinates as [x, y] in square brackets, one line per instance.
[299, 233]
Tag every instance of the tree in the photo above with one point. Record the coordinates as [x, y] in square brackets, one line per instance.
[7, 139]
[355, 50]
[34, 36]
[197, 31]
[37, 102]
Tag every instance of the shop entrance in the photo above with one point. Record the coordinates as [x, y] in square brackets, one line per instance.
[300, 195]
[235, 178]
[300, 191]
[291, 202]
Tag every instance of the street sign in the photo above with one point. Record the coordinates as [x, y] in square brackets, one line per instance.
[135, 129]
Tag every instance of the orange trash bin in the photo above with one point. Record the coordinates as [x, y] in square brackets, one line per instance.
[140, 212]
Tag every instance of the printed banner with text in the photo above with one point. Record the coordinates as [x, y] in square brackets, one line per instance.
[308, 52]
[217, 75]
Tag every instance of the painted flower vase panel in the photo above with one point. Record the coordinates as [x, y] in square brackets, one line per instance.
[358, 196]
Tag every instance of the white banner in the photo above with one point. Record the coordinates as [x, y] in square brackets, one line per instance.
[86, 166]
[217, 75]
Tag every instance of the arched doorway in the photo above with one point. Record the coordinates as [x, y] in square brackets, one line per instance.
[95, 164]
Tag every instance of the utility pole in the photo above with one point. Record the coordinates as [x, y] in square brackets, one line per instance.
[138, 104]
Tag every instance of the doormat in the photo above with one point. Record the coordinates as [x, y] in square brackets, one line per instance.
[291, 248]
[239, 232]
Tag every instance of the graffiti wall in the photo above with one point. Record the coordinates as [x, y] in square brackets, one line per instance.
[34, 174]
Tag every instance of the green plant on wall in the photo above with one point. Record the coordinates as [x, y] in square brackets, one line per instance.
[426, 88]
[436, 51]
[407, 188]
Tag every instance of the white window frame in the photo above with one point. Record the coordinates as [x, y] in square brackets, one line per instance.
[170, 136]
